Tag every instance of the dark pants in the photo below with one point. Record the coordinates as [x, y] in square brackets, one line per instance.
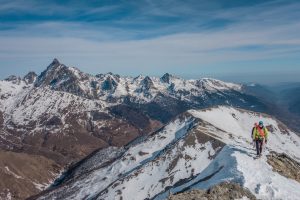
[259, 146]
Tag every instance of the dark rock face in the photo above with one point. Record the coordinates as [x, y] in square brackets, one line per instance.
[30, 77]
[166, 78]
[54, 121]
[109, 84]
[226, 191]
[284, 165]
[96, 115]
[62, 78]
[147, 83]
[14, 79]
[47, 76]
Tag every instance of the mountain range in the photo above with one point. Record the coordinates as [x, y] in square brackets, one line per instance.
[69, 124]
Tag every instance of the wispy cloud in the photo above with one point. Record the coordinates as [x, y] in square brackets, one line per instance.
[153, 36]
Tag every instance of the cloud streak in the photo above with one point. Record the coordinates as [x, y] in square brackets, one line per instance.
[154, 37]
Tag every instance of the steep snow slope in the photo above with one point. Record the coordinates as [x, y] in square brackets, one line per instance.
[237, 159]
[157, 159]
[197, 150]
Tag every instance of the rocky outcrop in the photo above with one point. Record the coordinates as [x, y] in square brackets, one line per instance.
[284, 165]
[147, 83]
[14, 79]
[30, 77]
[166, 78]
[109, 84]
[224, 191]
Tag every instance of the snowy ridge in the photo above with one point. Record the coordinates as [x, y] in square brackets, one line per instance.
[256, 175]
[237, 123]
[141, 88]
[197, 150]
[60, 90]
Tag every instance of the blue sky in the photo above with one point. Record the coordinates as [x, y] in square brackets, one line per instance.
[235, 40]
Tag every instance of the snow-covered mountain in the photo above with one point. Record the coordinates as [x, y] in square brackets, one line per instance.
[64, 114]
[113, 88]
[64, 101]
[196, 150]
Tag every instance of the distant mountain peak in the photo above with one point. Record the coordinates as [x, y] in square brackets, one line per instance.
[30, 77]
[55, 61]
[147, 83]
[166, 78]
[211, 83]
[14, 79]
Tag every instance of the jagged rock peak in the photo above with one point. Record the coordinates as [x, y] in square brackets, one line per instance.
[147, 83]
[55, 62]
[59, 73]
[30, 77]
[53, 65]
[48, 75]
[166, 78]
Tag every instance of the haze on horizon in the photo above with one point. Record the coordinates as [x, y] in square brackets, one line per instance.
[239, 41]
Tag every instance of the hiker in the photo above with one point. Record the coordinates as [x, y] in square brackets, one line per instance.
[259, 136]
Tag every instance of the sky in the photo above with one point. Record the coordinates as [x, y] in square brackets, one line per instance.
[233, 40]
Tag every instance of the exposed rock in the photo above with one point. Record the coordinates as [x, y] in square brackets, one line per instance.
[284, 165]
[62, 78]
[109, 84]
[14, 79]
[147, 83]
[54, 121]
[96, 115]
[30, 77]
[222, 191]
[166, 78]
